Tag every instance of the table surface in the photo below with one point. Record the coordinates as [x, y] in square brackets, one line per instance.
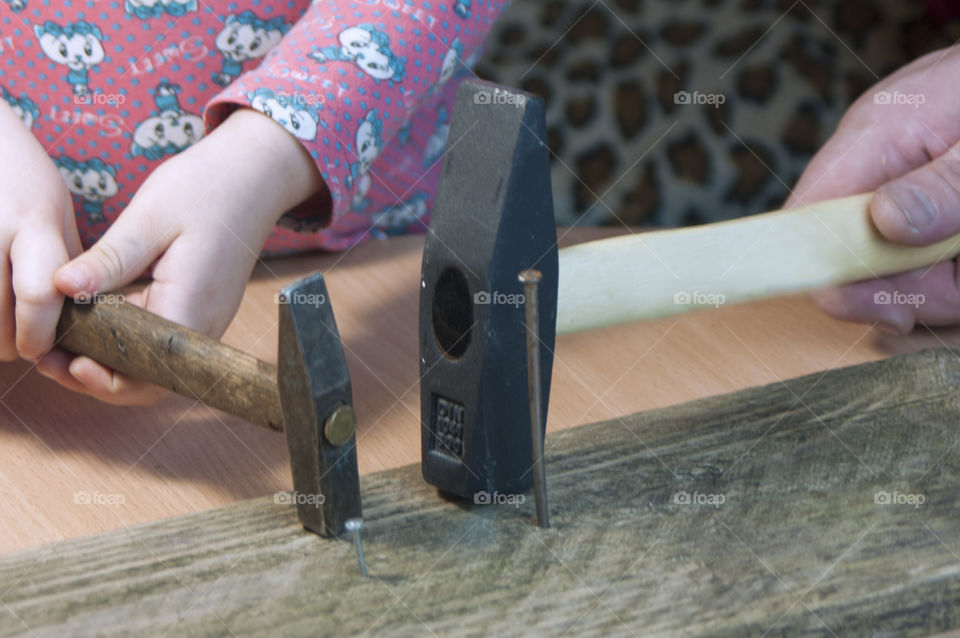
[70, 466]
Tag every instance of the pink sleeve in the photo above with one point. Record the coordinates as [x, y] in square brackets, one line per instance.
[347, 77]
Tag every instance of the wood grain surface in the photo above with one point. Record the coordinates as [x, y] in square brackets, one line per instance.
[70, 466]
[824, 505]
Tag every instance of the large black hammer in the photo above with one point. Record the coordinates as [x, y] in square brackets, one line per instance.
[493, 218]
[307, 395]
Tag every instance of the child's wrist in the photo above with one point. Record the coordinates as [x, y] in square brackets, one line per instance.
[272, 171]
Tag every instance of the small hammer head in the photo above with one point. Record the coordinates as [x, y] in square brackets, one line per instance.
[317, 403]
[493, 217]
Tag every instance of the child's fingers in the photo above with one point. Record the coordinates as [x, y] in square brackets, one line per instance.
[71, 236]
[35, 254]
[200, 281]
[124, 252]
[8, 345]
[108, 385]
[111, 386]
[177, 293]
[86, 376]
[55, 365]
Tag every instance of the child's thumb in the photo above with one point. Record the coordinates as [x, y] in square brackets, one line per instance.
[119, 257]
[923, 206]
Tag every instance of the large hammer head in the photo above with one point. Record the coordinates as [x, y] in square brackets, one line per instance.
[317, 403]
[492, 218]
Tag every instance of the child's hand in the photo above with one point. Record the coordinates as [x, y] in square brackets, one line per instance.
[900, 138]
[198, 223]
[38, 234]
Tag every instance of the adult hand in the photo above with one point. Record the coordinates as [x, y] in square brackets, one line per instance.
[900, 139]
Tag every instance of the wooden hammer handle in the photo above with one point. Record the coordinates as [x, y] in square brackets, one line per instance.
[144, 346]
[661, 273]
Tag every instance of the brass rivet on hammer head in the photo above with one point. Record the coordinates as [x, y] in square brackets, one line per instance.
[340, 425]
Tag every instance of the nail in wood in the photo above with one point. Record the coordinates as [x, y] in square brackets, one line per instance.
[353, 526]
[531, 280]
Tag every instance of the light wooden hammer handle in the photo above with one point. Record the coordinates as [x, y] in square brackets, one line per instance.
[661, 273]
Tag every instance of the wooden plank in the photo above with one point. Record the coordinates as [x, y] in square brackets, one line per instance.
[798, 545]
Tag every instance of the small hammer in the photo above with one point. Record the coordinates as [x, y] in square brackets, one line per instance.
[493, 218]
[307, 394]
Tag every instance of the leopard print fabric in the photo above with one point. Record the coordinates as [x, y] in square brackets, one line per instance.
[619, 78]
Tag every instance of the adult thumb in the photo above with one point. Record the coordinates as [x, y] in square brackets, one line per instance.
[120, 256]
[923, 206]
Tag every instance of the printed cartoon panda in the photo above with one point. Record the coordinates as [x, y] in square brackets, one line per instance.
[93, 180]
[397, 219]
[453, 65]
[145, 9]
[299, 118]
[170, 130]
[403, 135]
[462, 8]
[438, 140]
[246, 37]
[25, 108]
[78, 46]
[369, 144]
[450, 60]
[366, 48]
